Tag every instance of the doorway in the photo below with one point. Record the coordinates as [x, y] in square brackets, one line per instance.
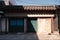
[16, 25]
[31, 24]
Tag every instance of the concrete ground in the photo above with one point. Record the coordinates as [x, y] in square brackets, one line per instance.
[29, 36]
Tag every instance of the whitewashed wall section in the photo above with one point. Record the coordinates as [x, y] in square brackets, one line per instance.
[3, 24]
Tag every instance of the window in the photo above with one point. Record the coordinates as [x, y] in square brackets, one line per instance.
[16, 22]
[19, 22]
[13, 22]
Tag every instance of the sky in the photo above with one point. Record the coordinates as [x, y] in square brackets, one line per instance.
[35, 2]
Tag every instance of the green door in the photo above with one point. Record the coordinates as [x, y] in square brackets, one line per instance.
[32, 25]
[16, 25]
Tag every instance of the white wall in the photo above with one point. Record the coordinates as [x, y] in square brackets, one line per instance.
[3, 24]
[44, 25]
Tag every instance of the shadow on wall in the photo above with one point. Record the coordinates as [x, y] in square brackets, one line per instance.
[56, 22]
[59, 26]
[59, 22]
[31, 23]
[30, 35]
[58, 13]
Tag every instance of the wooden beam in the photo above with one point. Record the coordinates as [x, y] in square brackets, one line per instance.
[52, 25]
[40, 15]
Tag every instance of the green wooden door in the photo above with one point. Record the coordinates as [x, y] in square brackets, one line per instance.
[32, 25]
[16, 25]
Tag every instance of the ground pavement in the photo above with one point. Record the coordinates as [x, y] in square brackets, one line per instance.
[29, 36]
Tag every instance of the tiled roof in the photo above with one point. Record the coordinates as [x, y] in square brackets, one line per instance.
[29, 8]
[39, 7]
[58, 7]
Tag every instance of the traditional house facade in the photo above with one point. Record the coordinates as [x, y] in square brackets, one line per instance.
[29, 19]
[23, 19]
